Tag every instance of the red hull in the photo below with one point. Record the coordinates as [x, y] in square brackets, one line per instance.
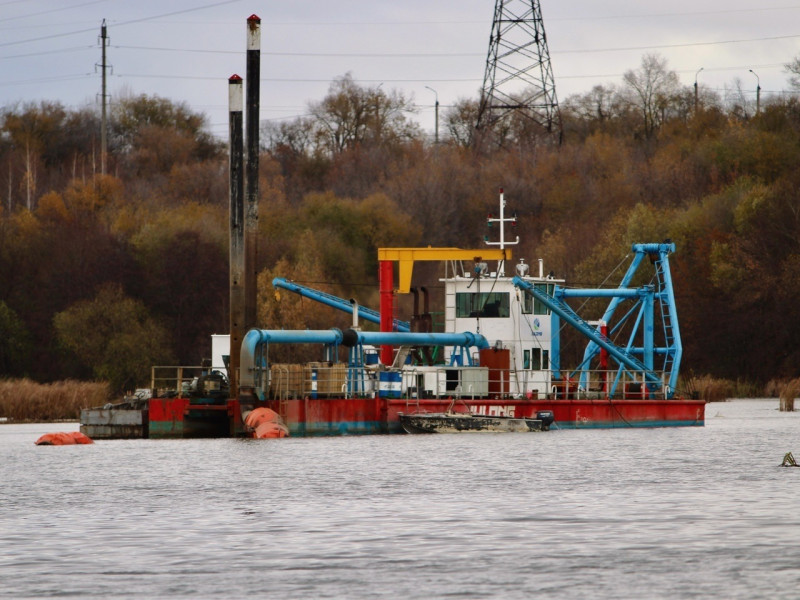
[176, 417]
[354, 416]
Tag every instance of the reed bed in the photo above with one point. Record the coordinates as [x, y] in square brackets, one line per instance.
[789, 391]
[712, 389]
[26, 400]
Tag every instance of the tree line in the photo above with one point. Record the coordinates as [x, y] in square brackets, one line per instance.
[104, 275]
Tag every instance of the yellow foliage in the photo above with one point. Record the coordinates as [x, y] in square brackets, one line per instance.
[52, 208]
[209, 220]
[92, 195]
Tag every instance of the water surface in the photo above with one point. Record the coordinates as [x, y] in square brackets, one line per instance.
[621, 513]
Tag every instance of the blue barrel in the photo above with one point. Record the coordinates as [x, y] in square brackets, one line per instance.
[389, 384]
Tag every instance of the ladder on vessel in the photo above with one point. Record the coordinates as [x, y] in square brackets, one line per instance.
[666, 318]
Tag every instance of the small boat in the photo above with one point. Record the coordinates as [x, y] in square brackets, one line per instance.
[452, 422]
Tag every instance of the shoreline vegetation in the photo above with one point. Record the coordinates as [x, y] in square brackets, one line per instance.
[23, 400]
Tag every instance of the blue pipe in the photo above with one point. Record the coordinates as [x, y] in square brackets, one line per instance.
[253, 364]
[365, 313]
[602, 293]
[378, 338]
[654, 248]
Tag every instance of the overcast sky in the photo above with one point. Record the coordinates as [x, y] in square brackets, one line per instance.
[185, 50]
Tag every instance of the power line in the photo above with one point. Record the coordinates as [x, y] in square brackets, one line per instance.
[45, 52]
[312, 54]
[50, 11]
[686, 45]
[483, 22]
[119, 24]
[293, 80]
[459, 54]
[676, 14]
[46, 79]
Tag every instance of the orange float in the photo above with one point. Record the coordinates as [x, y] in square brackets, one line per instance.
[266, 423]
[63, 439]
[271, 429]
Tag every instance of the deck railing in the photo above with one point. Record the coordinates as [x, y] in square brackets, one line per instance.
[330, 380]
[169, 380]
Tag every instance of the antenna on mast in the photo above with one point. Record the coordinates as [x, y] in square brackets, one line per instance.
[502, 243]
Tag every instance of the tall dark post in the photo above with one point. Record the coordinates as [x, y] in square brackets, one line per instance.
[436, 138]
[251, 174]
[237, 272]
[103, 96]
[696, 95]
[758, 92]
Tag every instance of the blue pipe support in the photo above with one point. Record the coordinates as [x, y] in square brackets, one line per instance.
[555, 343]
[676, 331]
[555, 306]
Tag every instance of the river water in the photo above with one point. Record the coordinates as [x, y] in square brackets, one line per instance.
[661, 513]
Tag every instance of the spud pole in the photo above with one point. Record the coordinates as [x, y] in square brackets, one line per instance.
[237, 270]
[253, 78]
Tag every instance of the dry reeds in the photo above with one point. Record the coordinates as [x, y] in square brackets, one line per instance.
[716, 389]
[26, 400]
[789, 391]
[713, 389]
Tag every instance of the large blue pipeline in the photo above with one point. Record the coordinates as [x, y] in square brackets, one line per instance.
[365, 313]
[252, 359]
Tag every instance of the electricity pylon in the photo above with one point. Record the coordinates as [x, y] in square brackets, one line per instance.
[519, 77]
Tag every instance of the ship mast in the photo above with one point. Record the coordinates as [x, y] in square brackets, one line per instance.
[502, 243]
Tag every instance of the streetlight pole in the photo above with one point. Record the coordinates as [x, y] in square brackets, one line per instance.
[378, 125]
[436, 130]
[695, 89]
[758, 92]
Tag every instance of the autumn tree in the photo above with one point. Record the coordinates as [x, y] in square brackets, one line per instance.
[460, 120]
[793, 69]
[653, 88]
[152, 134]
[115, 337]
[351, 115]
[183, 275]
[15, 343]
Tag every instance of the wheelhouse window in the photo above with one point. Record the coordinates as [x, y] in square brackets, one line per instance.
[483, 305]
[531, 305]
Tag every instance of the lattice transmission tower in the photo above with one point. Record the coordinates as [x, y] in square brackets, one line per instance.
[519, 78]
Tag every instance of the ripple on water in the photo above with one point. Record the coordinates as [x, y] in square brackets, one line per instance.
[665, 513]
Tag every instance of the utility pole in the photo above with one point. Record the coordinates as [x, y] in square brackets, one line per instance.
[518, 53]
[436, 112]
[758, 92]
[695, 89]
[103, 98]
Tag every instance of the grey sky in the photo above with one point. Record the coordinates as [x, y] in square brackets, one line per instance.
[186, 49]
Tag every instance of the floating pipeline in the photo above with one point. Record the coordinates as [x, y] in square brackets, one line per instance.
[265, 423]
[63, 439]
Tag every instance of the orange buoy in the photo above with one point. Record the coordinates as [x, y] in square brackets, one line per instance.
[266, 423]
[261, 415]
[63, 439]
[271, 429]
